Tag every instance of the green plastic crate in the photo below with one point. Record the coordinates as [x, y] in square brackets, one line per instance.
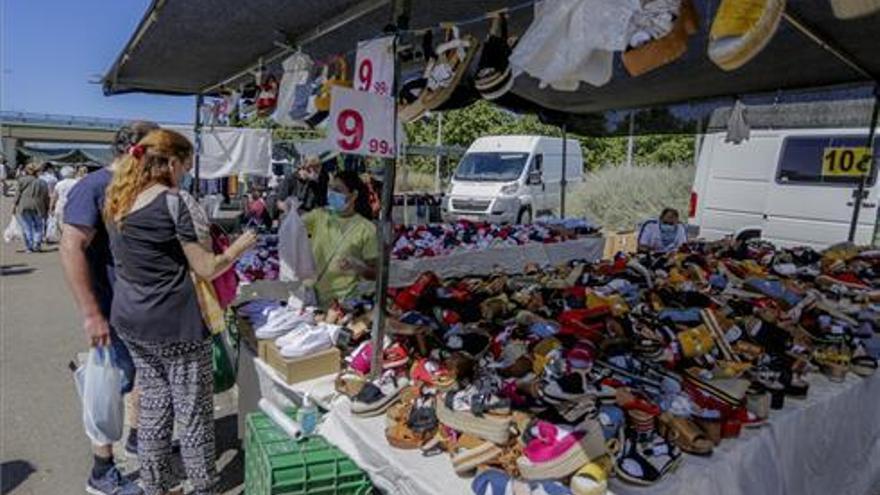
[277, 465]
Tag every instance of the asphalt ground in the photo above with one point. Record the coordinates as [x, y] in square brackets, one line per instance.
[43, 448]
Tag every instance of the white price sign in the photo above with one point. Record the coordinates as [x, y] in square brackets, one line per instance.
[374, 66]
[362, 123]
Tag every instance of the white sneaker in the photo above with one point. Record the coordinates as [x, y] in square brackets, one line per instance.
[308, 340]
[289, 337]
[282, 321]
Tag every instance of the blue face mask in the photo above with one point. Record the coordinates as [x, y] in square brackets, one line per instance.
[336, 202]
[667, 228]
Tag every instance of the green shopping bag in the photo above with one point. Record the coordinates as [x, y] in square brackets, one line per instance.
[225, 362]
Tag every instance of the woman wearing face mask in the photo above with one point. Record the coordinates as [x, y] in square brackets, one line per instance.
[155, 244]
[663, 235]
[343, 239]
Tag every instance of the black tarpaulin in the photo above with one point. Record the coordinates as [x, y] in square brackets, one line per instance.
[190, 47]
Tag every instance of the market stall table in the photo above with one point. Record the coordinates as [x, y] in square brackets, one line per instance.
[508, 260]
[822, 445]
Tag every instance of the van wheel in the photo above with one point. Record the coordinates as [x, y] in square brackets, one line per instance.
[525, 216]
[749, 235]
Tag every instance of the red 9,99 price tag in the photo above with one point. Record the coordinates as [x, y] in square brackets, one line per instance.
[361, 123]
[374, 66]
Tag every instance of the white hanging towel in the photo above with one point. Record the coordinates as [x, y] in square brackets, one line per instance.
[572, 41]
[294, 249]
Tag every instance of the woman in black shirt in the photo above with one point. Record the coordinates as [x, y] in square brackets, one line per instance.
[155, 309]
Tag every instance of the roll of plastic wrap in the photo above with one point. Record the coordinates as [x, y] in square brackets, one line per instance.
[284, 422]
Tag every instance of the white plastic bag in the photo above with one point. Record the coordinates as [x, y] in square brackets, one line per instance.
[12, 232]
[53, 233]
[294, 249]
[99, 383]
[571, 41]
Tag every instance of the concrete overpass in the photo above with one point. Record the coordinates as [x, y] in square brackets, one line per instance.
[17, 128]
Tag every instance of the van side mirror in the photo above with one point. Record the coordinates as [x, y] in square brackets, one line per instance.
[535, 178]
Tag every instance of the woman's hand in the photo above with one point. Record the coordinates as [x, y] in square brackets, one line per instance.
[352, 265]
[244, 242]
[97, 330]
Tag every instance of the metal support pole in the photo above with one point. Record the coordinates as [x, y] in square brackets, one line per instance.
[400, 13]
[197, 132]
[630, 144]
[563, 182]
[437, 185]
[860, 191]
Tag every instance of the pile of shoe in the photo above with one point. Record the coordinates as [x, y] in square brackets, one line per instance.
[563, 376]
[261, 262]
[425, 241]
[298, 329]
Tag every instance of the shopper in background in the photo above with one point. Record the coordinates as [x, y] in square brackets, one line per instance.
[81, 171]
[47, 175]
[343, 239]
[664, 234]
[5, 173]
[156, 310]
[88, 267]
[31, 207]
[308, 184]
[62, 190]
[256, 214]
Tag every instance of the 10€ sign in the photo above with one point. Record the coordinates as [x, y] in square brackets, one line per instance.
[362, 123]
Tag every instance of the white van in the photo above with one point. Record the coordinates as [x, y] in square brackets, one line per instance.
[790, 187]
[511, 179]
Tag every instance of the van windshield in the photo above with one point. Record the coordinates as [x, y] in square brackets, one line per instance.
[491, 167]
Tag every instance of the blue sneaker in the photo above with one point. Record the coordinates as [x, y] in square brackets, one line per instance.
[112, 483]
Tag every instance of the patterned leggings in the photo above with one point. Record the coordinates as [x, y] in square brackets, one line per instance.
[176, 383]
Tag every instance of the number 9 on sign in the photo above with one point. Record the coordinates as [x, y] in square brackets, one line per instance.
[350, 124]
[365, 75]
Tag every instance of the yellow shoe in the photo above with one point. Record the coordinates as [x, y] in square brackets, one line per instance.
[741, 29]
[591, 479]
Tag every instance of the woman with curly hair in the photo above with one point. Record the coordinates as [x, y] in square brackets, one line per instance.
[155, 309]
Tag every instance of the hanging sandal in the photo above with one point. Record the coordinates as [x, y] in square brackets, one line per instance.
[684, 434]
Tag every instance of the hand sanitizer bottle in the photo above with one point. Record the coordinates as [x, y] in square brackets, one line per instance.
[307, 416]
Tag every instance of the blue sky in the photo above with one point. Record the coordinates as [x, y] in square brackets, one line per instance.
[51, 49]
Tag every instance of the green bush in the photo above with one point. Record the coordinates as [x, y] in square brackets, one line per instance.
[619, 198]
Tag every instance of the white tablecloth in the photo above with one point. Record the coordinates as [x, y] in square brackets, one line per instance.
[828, 444]
[510, 260]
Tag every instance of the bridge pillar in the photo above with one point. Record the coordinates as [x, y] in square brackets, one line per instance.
[9, 147]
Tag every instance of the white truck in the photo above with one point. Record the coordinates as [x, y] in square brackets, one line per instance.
[791, 186]
[511, 179]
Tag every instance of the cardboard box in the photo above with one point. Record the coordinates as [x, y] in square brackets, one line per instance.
[616, 242]
[300, 369]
